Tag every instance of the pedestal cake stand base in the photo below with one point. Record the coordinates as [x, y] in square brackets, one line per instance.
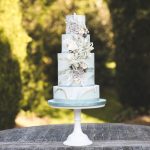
[77, 137]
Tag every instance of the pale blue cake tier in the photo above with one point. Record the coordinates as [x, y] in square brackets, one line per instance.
[77, 103]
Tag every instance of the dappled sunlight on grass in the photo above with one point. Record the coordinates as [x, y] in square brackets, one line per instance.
[143, 120]
[26, 119]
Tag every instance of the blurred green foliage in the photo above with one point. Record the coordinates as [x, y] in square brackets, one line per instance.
[131, 26]
[13, 41]
[10, 85]
[31, 38]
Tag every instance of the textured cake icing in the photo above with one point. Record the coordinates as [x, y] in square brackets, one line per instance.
[68, 77]
[76, 24]
[76, 93]
[76, 63]
[70, 41]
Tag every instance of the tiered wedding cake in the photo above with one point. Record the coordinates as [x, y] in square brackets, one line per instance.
[76, 86]
[76, 63]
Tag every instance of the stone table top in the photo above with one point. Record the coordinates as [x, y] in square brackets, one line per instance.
[109, 136]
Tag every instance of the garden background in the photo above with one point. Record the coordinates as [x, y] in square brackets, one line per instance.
[30, 38]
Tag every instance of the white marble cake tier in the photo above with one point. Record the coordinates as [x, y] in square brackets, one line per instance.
[71, 20]
[66, 76]
[69, 42]
[76, 93]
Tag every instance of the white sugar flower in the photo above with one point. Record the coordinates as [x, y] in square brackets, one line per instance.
[81, 31]
[83, 65]
[75, 66]
[77, 79]
[71, 45]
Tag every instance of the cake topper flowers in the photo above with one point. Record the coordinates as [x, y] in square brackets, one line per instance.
[75, 27]
[79, 46]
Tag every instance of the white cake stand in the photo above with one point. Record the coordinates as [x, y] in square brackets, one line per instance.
[77, 137]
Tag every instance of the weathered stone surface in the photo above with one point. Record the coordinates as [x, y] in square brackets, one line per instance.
[50, 137]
